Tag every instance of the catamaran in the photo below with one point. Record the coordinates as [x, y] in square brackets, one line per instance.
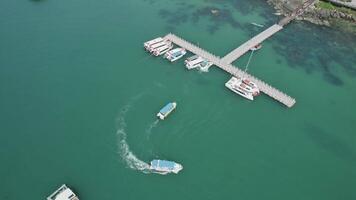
[166, 110]
[163, 49]
[175, 54]
[255, 89]
[63, 193]
[148, 44]
[165, 166]
[239, 87]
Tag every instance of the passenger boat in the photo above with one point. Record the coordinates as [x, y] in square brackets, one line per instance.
[257, 47]
[165, 166]
[162, 50]
[63, 193]
[155, 46]
[166, 110]
[255, 89]
[193, 62]
[175, 54]
[191, 59]
[236, 85]
[148, 44]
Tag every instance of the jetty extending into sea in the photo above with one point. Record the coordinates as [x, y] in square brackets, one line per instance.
[225, 63]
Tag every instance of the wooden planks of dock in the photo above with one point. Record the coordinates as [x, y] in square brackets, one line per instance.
[264, 87]
[245, 47]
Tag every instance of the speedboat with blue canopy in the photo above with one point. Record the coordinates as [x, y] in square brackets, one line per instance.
[165, 166]
[166, 110]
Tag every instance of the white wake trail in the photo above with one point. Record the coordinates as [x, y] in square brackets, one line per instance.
[128, 156]
[150, 127]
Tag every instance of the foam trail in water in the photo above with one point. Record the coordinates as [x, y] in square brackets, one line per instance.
[151, 126]
[130, 158]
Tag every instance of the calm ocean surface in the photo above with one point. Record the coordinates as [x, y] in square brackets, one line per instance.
[79, 95]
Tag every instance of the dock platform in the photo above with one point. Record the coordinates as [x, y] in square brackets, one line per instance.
[245, 47]
[231, 69]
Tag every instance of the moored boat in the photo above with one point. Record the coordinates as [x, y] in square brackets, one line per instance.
[148, 44]
[205, 65]
[162, 50]
[166, 110]
[165, 166]
[175, 54]
[236, 85]
[155, 46]
[254, 87]
[257, 47]
[193, 62]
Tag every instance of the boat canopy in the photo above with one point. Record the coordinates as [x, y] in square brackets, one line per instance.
[166, 108]
[163, 164]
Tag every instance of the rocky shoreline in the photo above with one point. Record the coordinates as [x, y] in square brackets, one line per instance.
[318, 15]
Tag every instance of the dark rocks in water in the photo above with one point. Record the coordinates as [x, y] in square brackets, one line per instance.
[313, 14]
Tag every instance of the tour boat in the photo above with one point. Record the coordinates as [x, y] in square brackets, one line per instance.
[163, 49]
[166, 110]
[193, 62]
[148, 44]
[175, 54]
[165, 166]
[155, 46]
[63, 193]
[236, 85]
[257, 47]
[255, 89]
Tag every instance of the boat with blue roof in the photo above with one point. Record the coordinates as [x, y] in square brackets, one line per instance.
[165, 166]
[166, 110]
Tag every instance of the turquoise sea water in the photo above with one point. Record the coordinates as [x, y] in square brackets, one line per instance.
[78, 98]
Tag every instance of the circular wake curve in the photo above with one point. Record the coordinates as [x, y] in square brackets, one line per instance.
[126, 154]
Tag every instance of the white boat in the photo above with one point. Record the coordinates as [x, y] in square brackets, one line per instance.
[193, 62]
[148, 44]
[257, 47]
[205, 65]
[254, 87]
[191, 59]
[162, 50]
[175, 54]
[165, 166]
[166, 110]
[236, 85]
[63, 193]
[153, 47]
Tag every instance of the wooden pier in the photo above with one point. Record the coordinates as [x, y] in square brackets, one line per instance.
[264, 87]
[225, 62]
[245, 47]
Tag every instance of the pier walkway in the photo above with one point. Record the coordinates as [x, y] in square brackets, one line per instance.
[225, 62]
[245, 47]
[264, 87]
